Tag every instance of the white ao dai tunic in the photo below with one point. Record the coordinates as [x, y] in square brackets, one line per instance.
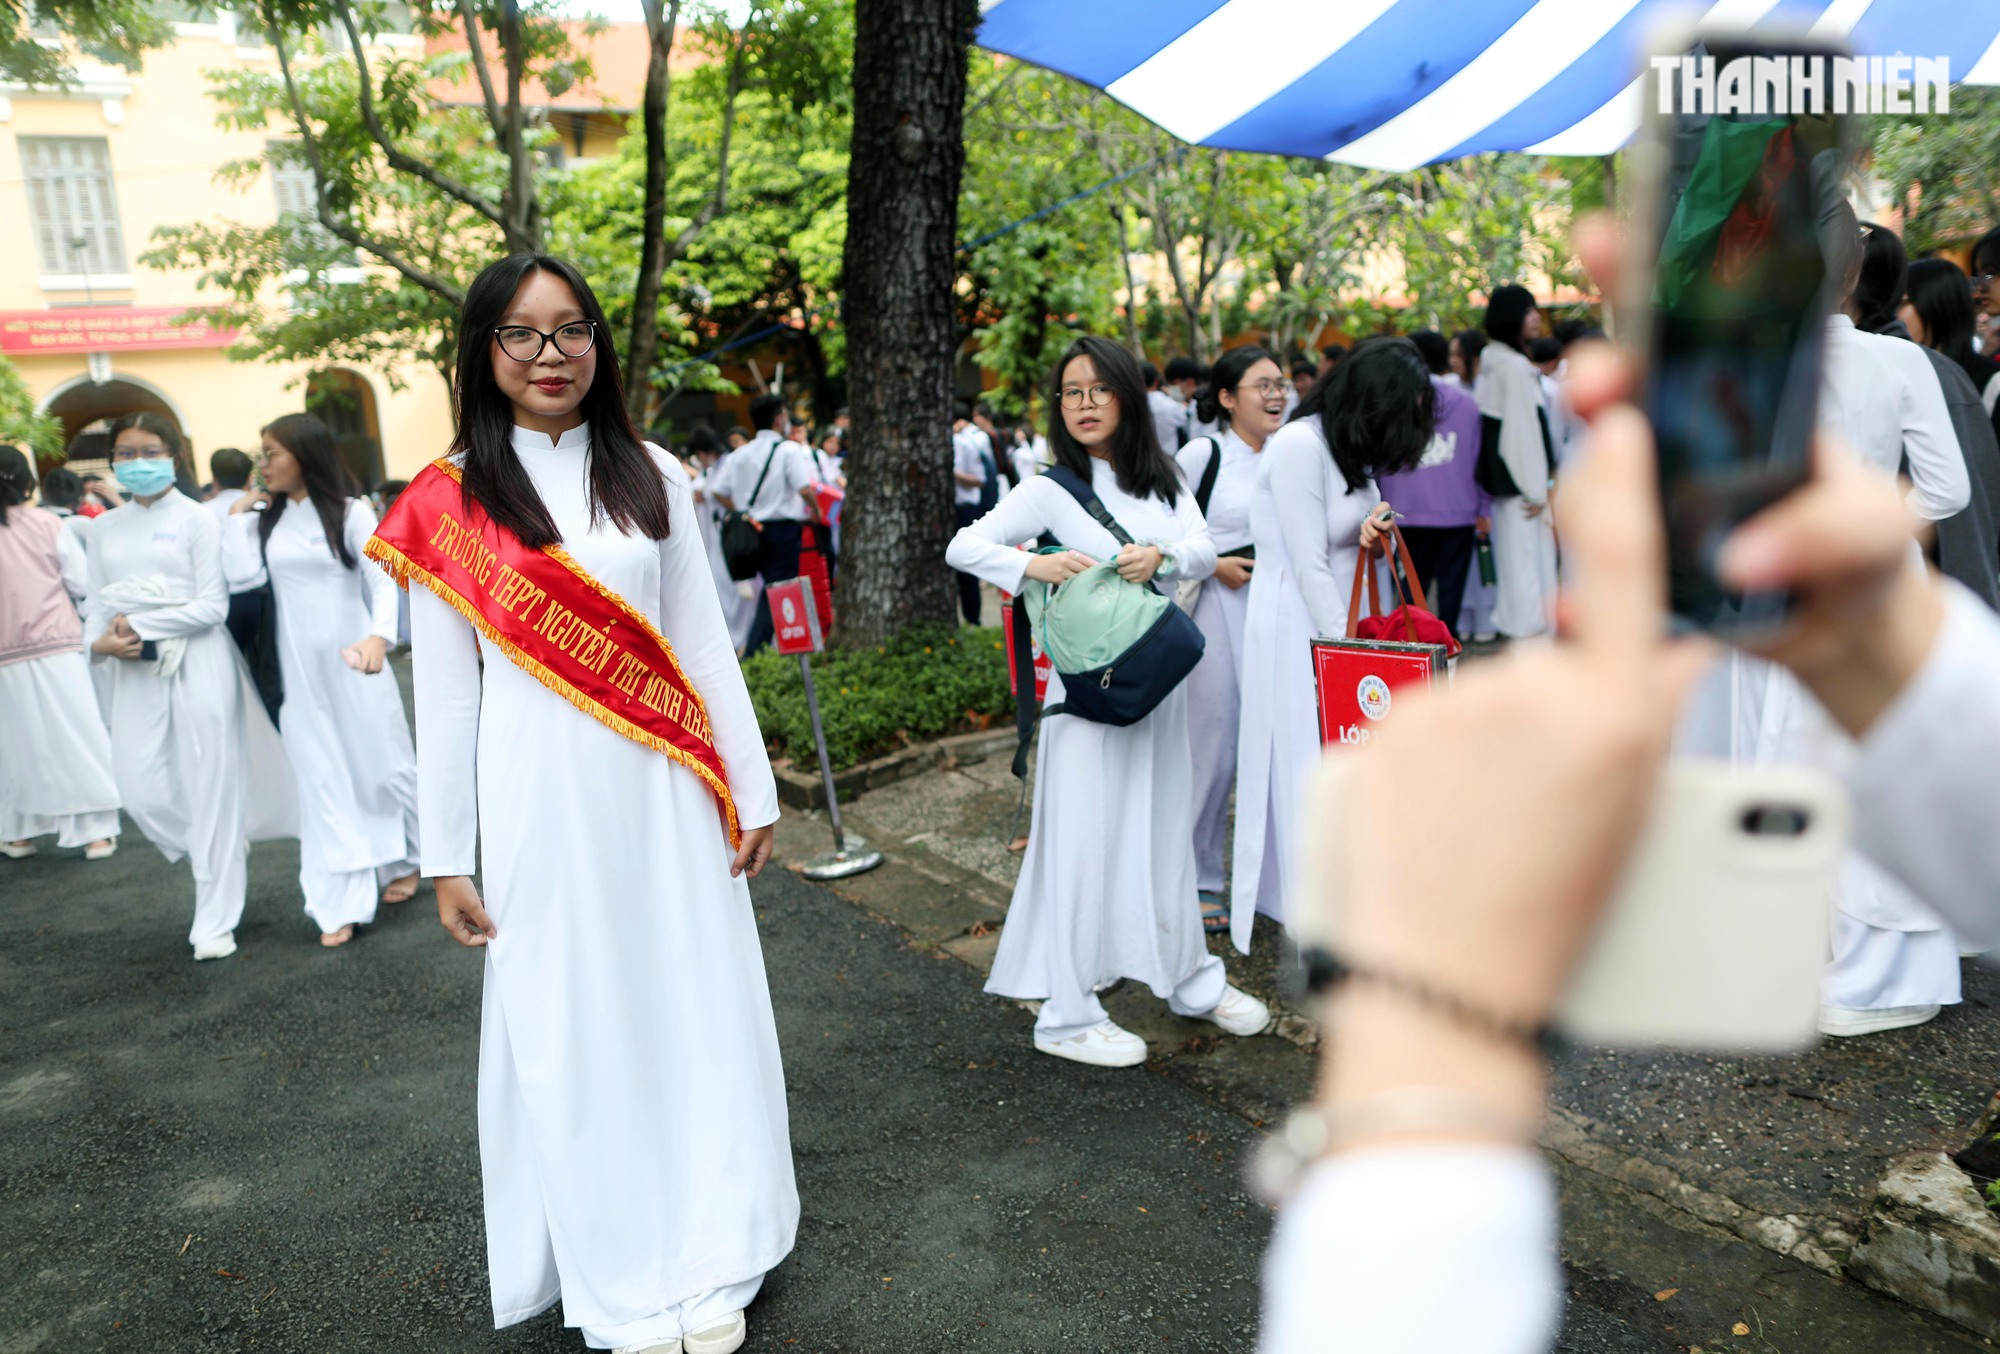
[345, 733]
[632, 1128]
[1107, 885]
[1307, 527]
[1215, 695]
[55, 756]
[178, 745]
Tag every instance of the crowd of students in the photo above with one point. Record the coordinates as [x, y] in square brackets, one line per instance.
[217, 671]
[1462, 442]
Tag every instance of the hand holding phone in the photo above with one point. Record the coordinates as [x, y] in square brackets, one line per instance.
[1732, 285]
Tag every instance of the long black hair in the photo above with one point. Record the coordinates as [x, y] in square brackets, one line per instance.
[1942, 297]
[625, 482]
[1471, 343]
[1377, 409]
[1884, 269]
[62, 488]
[162, 427]
[1143, 467]
[1507, 314]
[1227, 373]
[16, 478]
[329, 483]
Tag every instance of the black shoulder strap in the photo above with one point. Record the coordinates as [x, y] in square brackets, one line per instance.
[759, 487]
[1207, 487]
[1023, 660]
[1092, 504]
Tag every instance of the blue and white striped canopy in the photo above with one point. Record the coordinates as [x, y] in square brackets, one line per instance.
[1392, 84]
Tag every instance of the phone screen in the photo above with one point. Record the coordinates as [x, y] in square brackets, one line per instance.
[1740, 296]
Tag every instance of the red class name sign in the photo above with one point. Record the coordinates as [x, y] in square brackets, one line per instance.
[97, 329]
[1357, 682]
[794, 619]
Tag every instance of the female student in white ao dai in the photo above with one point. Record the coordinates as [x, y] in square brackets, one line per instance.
[1107, 887]
[1315, 508]
[342, 719]
[1245, 402]
[633, 1136]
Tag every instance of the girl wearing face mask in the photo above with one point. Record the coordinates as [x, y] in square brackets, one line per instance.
[1245, 402]
[1107, 885]
[342, 720]
[174, 699]
[584, 737]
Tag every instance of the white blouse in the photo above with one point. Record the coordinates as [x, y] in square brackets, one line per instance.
[1228, 510]
[173, 537]
[1041, 506]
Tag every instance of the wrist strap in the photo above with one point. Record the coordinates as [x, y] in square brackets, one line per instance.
[1326, 971]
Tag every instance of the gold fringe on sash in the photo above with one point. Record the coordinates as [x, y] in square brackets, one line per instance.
[402, 568]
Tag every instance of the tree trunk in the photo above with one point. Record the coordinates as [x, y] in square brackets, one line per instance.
[644, 347]
[902, 222]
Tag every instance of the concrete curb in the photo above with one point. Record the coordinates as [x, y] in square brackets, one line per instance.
[1932, 1242]
[1817, 1242]
[800, 787]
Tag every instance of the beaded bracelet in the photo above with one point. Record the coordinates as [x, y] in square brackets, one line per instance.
[1312, 1131]
[1326, 971]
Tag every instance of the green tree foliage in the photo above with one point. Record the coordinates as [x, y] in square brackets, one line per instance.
[40, 435]
[755, 218]
[927, 682]
[1944, 171]
[116, 32]
[780, 128]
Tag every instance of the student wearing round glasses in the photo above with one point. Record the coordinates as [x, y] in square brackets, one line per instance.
[174, 696]
[1246, 403]
[586, 742]
[1107, 885]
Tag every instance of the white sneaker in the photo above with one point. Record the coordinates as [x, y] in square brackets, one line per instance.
[1844, 1024]
[725, 1337]
[221, 947]
[101, 850]
[1102, 1045]
[14, 851]
[657, 1347]
[1238, 1013]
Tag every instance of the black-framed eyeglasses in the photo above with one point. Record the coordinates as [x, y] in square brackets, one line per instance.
[1074, 397]
[525, 344]
[156, 452]
[1980, 282]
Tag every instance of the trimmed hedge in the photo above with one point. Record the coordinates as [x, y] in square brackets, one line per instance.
[928, 682]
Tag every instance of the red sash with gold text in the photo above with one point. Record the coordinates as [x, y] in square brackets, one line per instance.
[575, 636]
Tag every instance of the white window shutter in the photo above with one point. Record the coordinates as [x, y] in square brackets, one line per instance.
[71, 196]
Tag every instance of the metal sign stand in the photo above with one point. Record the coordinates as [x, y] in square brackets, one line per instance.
[849, 856]
[800, 635]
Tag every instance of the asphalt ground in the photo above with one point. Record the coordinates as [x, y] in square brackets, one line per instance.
[278, 1151]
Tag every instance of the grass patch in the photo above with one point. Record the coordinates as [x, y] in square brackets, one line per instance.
[928, 682]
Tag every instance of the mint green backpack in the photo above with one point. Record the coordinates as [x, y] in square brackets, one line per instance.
[1120, 647]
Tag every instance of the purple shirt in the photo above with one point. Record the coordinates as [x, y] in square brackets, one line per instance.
[1440, 492]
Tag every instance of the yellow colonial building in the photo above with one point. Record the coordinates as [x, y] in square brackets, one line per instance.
[89, 171]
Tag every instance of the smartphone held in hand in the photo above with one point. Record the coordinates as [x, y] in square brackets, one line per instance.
[1716, 932]
[1739, 261]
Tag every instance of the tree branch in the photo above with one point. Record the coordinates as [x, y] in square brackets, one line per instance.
[398, 159]
[477, 47]
[429, 281]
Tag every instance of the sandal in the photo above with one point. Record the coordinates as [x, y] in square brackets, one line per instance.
[1214, 912]
[400, 890]
[331, 939]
